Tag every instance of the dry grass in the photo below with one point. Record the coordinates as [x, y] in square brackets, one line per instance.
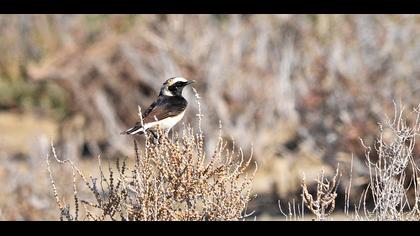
[326, 193]
[325, 199]
[301, 88]
[324, 80]
[394, 175]
[392, 192]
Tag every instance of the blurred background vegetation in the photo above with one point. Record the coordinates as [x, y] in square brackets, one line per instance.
[298, 89]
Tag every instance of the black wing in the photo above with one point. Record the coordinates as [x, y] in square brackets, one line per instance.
[162, 108]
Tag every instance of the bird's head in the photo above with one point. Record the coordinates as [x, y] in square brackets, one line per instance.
[174, 86]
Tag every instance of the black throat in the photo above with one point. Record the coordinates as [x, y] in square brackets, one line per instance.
[176, 90]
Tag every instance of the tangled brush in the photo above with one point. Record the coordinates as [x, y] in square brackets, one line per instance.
[172, 178]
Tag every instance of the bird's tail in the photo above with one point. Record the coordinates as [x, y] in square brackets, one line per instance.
[135, 130]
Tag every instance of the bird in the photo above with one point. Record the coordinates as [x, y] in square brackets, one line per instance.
[166, 111]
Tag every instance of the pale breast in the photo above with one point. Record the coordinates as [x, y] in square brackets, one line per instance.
[166, 123]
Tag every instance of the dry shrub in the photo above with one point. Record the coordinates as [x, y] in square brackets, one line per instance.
[172, 179]
[394, 175]
[324, 203]
[392, 172]
[334, 76]
[326, 193]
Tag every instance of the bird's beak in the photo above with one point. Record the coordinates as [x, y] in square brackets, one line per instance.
[190, 82]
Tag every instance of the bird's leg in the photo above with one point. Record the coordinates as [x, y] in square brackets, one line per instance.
[154, 134]
[167, 132]
[155, 137]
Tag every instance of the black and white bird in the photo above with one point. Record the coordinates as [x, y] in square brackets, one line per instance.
[166, 111]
